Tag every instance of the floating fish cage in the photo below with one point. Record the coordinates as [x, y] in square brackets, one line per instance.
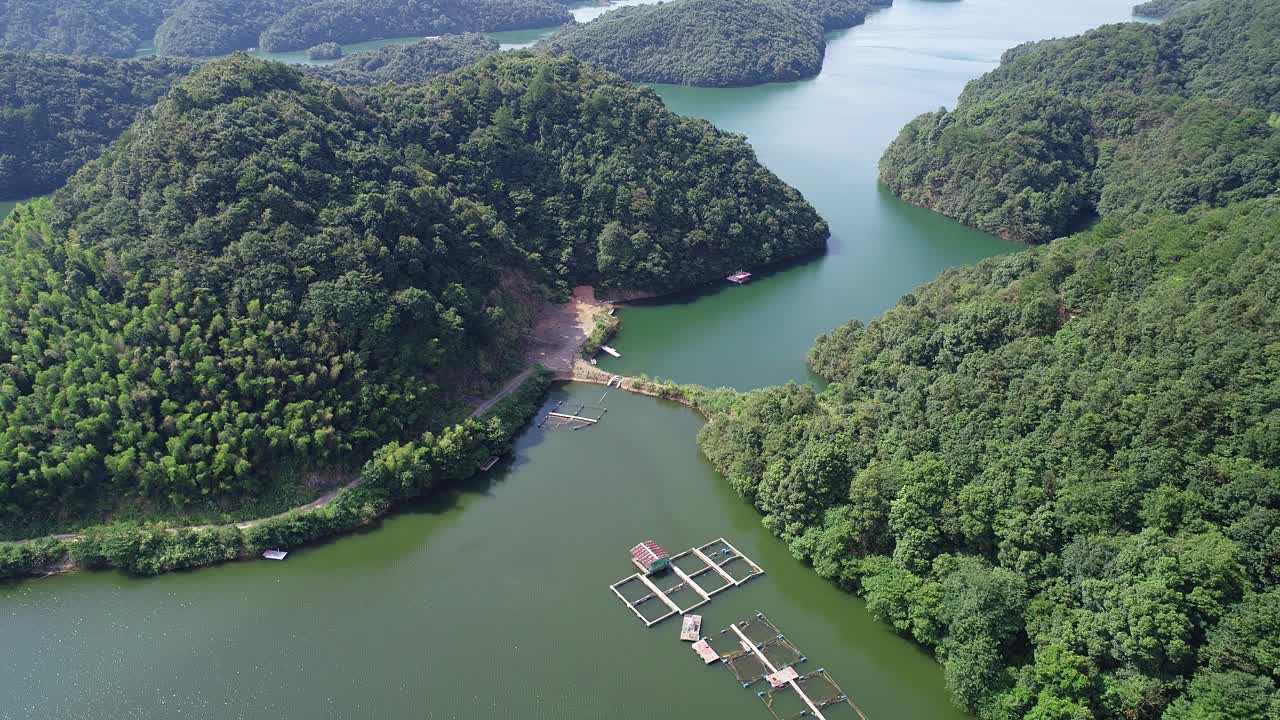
[694, 576]
[572, 416]
[756, 651]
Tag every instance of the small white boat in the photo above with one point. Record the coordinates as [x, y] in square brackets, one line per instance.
[611, 351]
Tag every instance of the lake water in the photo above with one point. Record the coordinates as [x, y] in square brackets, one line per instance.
[492, 601]
[824, 136]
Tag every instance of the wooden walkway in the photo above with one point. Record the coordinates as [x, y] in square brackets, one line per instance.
[574, 419]
[746, 643]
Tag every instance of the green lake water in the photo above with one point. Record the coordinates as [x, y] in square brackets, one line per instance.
[492, 600]
[825, 136]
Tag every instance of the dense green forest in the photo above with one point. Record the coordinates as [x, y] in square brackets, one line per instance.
[1120, 121]
[114, 28]
[270, 276]
[1059, 470]
[415, 62]
[715, 43]
[58, 112]
[839, 14]
[201, 28]
[324, 51]
[396, 471]
[347, 21]
[1163, 8]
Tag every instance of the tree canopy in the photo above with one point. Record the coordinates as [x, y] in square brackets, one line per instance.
[716, 43]
[1057, 469]
[414, 62]
[1119, 121]
[1163, 8]
[114, 28]
[270, 275]
[202, 28]
[347, 21]
[58, 112]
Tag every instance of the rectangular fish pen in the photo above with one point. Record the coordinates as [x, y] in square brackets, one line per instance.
[656, 600]
[572, 416]
[701, 572]
[814, 694]
[756, 650]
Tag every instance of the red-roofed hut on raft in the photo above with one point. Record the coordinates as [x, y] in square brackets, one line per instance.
[650, 557]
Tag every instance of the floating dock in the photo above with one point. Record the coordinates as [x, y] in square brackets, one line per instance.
[275, 554]
[742, 277]
[771, 657]
[705, 573]
[493, 460]
[573, 416]
[691, 628]
[611, 351]
[703, 648]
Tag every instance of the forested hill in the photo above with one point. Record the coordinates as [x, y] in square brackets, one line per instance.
[58, 112]
[1164, 8]
[1120, 121]
[347, 21]
[198, 28]
[715, 43]
[1058, 469]
[114, 28]
[270, 275]
[415, 62]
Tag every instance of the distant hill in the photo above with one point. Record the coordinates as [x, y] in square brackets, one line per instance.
[716, 43]
[203, 28]
[1164, 8]
[114, 28]
[1119, 121]
[414, 62]
[57, 112]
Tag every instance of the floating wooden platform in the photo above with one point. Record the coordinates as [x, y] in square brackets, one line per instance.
[579, 418]
[575, 417]
[691, 628]
[704, 651]
[275, 554]
[489, 463]
[704, 590]
[611, 351]
[782, 677]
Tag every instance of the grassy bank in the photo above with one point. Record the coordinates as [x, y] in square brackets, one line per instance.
[605, 328]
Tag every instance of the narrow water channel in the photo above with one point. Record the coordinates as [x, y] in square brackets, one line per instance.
[825, 136]
[492, 601]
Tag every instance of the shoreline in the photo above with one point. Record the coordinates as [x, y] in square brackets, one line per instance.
[555, 354]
